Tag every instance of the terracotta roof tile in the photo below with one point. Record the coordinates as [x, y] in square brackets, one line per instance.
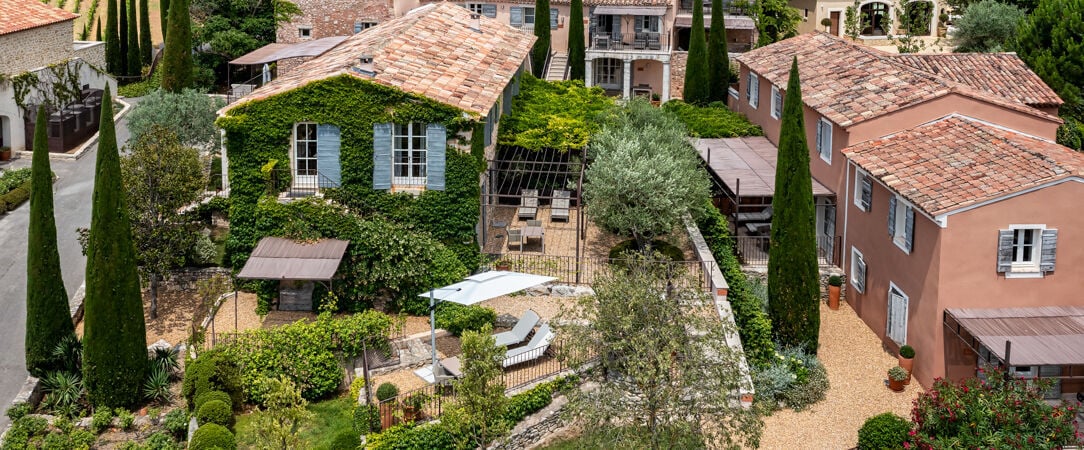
[1003, 74]
[958, 161]
[431, 51]
[849, 83]
[18, 15]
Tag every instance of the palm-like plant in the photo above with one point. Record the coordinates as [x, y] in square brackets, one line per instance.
[68, 354]
[63, 393]
[156, 386]
[165, 359]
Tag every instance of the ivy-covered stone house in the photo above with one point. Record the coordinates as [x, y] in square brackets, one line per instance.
[392, 123]
[41, 64]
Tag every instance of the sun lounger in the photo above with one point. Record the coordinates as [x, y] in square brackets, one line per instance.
[559, 206]
[761, 216]
[520, 331]
[533, 350]
[528, 204]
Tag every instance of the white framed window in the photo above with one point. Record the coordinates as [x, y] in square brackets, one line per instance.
[863, 190]
[858, 270]
[752, 90]
[409, 154]
[305, 144]
[304, 32]
[824, 139]
[649, 24]
[361, 26]
[475, 7]
[485, 9]
[528, 16]
[777, 102]
[901, 223]
[608, 72]
[897, 314]
[1027, 250]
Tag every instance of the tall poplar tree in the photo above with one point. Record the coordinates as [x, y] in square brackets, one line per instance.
[145, 45]
[133, 58]
[47, 318]
[541, 48]
[177, 59]
[163, 15]
[718, 60]
[122, 29]
[577, 50]
[114, 339]
[793, 277]
[98, 30]
[696, 89]
[113, 63]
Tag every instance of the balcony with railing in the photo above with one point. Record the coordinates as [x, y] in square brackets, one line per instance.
[730, 8]
[287, 185]
[643, 41]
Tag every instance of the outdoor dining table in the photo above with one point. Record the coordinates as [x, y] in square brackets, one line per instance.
[530, 231]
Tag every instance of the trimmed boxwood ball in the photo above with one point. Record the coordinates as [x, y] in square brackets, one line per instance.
[883, 431]
[216, 412]
[386, 391]
[212, 436]
[620, 250]
[205, 397]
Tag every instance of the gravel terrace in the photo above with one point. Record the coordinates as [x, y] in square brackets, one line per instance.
[857, 367]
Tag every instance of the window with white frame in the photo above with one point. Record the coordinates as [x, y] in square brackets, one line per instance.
[475, 8]
[901, 223]
[408, 154]
[305, 144]
[304, 32]
[777, 102]
[863, 190]
[1027, 250]
[528, 16]
[608, 72]
[824, 139]
[648, 24]
[897, 314]
[752, 90]
[858, 270]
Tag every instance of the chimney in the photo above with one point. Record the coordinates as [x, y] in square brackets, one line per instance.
[365, 66]
[476, 22]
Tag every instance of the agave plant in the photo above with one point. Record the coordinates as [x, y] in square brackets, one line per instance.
[68, 354]
[156, 386]
[63, 393]
[165, 359]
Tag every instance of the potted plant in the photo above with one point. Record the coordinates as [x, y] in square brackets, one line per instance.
[942, 24]
[896, 377]
[412, 406]
[502, 264]
[834, 285]
[5, 153]
[827, 24]
[655, 99]
[384, 394]
[907, 360]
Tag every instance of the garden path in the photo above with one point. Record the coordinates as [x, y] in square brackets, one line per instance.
[857, 367]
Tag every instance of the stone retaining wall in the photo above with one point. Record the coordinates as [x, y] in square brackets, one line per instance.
[535, 427]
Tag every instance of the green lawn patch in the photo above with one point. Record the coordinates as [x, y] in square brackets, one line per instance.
[331, 429]
[712, 121]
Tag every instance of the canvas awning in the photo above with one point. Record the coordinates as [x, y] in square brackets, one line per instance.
[630, 10]
[732, 22]
[746, 165]
[278, 51]
[1039, 336]
[284, 259]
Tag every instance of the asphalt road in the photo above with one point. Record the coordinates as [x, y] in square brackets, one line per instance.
[72, 196]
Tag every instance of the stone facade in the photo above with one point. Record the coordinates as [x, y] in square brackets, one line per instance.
[92, 52]
[327, 18]
[678, 60]
[26, 50]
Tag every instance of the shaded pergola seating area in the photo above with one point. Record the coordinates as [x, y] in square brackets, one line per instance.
[296, 262]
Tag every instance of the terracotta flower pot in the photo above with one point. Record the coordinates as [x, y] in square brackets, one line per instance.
[504, 266]
[5, 155]
[907, 364]
[896, 386]
[833, 297]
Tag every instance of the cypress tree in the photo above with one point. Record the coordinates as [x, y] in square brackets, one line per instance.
[541, 48]
[163, 15]
[177, 60]
[98, 31]
[112, 40]
[718, 60]
[114, 340]
[133, 58]
[696, 89]
[122, 29]
[47, 317]
[145, 46]
[793, 277]
[577, 52]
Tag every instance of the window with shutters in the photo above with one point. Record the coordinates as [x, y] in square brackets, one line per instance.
[305, 144]
[1026, 250]
[863, 190]
[824, 139]
[752, 90]
[901, 223]
[408, 154]
[777, 102]
[897, 314]
[315, 156]
[553, 18]
[649, 24]
[858, 270]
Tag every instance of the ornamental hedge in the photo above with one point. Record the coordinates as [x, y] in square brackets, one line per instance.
[712, 121]
[559, 115]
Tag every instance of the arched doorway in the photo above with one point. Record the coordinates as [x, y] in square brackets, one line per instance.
[876, 20]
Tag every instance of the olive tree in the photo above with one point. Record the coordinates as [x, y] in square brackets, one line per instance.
[987, 26]
[478, 412]
[188, 114]
[666, 378]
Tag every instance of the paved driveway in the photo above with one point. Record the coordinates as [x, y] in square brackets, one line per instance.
[72, 200]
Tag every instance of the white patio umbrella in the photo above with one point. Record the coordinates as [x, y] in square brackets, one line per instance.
[474, 289]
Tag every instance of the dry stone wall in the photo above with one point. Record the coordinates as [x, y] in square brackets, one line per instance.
[35, 48]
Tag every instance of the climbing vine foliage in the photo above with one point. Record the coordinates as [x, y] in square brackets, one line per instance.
[55, 86]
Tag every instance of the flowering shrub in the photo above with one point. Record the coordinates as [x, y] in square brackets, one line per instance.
[994, 412]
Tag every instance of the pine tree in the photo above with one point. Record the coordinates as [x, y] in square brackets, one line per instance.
[576, 48]
[112, 40]
[145, 45]
[177, 60]
[114, 340]
[163, 15]
[47, 317]
[696, 89]
[133, 58]
[541, 49]
[718, 60]
[793, 277]
[122, 29]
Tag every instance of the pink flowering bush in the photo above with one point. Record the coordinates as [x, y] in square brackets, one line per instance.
[991, 413]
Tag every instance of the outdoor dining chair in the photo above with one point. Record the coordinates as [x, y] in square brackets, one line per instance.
[515, 236]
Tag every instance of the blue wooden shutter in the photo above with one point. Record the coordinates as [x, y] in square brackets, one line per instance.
[867, 193]
[1004, 250]
[489, 10]
[617, 28]
[436, 137]
[506, 106]
[892, 216]
[327, 156]
[637, 25]
[1049, 250]
[382, 156]
[515, 16]
[909, 227]
[593, 22]
[553, 17]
